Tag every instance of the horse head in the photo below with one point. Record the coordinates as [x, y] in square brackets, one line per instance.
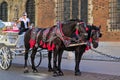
[94, 35]
[77, 29]
[82, 28]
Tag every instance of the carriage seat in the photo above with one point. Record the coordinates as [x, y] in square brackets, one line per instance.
[13, 30]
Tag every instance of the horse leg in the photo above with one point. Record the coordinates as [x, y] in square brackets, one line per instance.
[49, 61]
[59, 63]
[55, 73]
[32, 59]
[25, 65]
[78, 55]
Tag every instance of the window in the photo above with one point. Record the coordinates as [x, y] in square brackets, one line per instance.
[71, 9]
[30, 9]
[75, 9]
[84, 10]
[114, 15]
[4, 11]
[66, 9]
[59, 10]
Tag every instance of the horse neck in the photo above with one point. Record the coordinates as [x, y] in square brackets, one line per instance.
[68, 29]
[90, 30]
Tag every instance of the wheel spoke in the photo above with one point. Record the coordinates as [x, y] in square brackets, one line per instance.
[6, 64]
[1, 56]
[2, 63]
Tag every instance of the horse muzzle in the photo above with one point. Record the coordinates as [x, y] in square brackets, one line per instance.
[95, 44]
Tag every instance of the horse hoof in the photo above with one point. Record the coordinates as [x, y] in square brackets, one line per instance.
[55, 74]
[26, 71]
[50, 70]
[35, 71]
[61, 74]
[77, 73]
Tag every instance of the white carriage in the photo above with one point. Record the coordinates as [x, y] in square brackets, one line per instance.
[8, 49]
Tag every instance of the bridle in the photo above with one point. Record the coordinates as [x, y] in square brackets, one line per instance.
[78, 32]
[94, 36]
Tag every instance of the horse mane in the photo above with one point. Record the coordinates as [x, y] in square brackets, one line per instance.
[72, 20]
[93, 27]
[78, 20]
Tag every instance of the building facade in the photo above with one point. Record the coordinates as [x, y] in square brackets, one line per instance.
[45, 13]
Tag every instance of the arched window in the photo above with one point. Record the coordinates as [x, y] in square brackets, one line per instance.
[4, 11]
[30, 9]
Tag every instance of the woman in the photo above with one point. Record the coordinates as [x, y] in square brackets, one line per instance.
[24, 26]
[24, 23]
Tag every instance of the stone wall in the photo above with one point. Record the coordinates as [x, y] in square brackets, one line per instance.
[12, 6]
[45, 16]
[45, 13]
[100, 17]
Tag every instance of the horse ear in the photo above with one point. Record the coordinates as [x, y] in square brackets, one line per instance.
[99, 26]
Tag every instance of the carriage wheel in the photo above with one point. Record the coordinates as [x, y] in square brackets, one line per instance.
[38, 58]
[5, 58]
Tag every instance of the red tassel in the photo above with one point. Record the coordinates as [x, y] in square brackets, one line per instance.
[44, 45]
[76, 32]
[41, 42]
[48, 46]
[86, 28]
[90, 40]
[53, 46]
[87, 48]
[32, 43]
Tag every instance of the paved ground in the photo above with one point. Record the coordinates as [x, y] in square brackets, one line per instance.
[91, 69]
[16, 73]
[69, 75]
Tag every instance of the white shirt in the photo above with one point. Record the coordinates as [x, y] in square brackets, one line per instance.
[25, 21]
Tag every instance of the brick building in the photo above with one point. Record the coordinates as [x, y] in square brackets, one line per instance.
[45, 13]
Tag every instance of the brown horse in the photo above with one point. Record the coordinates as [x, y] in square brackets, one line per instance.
[56, 39]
